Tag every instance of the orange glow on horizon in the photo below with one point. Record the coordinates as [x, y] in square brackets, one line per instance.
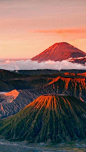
[60, 31]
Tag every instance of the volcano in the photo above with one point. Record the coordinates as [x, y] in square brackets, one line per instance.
[58, 52]
[49, 118]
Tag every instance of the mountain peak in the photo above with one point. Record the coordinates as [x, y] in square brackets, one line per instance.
[13, 93]
[62, 43]
[58, 52]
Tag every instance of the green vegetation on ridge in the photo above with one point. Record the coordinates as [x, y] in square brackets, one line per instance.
[49, 118]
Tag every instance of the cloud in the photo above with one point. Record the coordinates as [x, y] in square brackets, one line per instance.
[61, 31]
[32, 65]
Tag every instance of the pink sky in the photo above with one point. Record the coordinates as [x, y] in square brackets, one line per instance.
[27, 27]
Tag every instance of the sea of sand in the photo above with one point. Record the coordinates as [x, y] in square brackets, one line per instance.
[7, 146]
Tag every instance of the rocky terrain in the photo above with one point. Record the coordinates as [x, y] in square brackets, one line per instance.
[21, 89]
[67, 85]
[13, 101]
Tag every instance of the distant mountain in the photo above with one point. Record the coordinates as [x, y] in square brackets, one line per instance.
[58, 52]
[13, 101]
[49, 118]
[12, 94]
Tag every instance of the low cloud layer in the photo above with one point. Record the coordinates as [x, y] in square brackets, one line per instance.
[32, 65]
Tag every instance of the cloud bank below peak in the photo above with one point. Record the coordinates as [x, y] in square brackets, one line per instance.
[33, 65]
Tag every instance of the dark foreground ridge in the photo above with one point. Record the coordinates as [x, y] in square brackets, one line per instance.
[49, 118]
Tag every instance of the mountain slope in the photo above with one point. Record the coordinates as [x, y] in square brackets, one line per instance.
[69, 85]
[13, 101]
[58, 52]
[14, 94]
[49, 118]
[81, 60]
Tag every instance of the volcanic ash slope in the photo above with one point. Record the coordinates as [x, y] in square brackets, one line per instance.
[49, 118]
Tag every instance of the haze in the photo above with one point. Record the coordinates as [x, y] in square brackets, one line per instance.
[27, 27]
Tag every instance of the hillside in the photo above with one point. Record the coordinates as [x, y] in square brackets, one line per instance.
[81, 60]
[13, 101]
[69, 85]
[23, 90]
[58, 52]
[49, 118]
